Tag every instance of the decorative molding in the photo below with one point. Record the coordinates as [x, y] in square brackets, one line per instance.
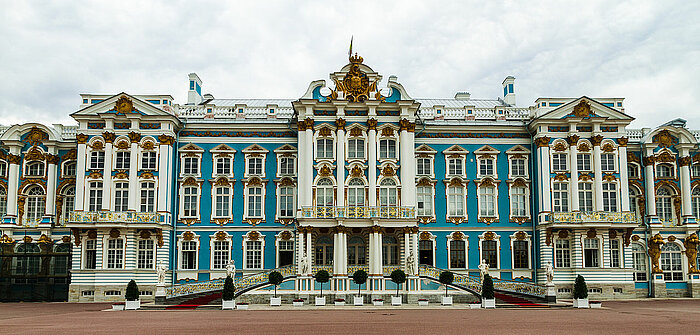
[340, 124]
[596, 140]
[572, 139]
[81, 138]
[108, 137]
[372, 124]
[622, 141]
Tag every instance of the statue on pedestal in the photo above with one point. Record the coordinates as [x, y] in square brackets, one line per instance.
[161, 269]
[231, 269]
[411, 264]
[304, 265]
[484, 269]
[549, 272]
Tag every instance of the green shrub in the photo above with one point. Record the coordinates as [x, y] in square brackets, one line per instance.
[132, 291]
[580, 288]
[398, 277]
[359, 277]
[446, 278]
[322, 276]
[275, 278]
[229, 289]
[487, 288]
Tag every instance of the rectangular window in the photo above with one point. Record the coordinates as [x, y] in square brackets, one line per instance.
[255, 202]
[123, 160]
[521, 255]
[387, 149]
[286, 202]
[590, 253]
[97, 160]
[583, 162]
[115, 253]
[356, 148]
[559, 162]
[324, 148]
[607, 162]
[223, 166]
[639, 257]
[190, 165]
[91, 254]
[3, 169]
[424, 195]
[458, 255]
[253, 254]
[190, 201]
[615, 253]
[189, 255]
[148, 191]
[560, 194]
[633, 171]
[221, 255]
[121, 197]
[285, 252]
[562, 254]
[287, 166]
[487, 201]
[609, 197]
[255, 166]
[695, 170]
[585, 197]
[518, 167]
[144, 254]
[455, 167]
[95, 199]
[423, 166]
[455, 195]
[425, 252]
[486, 167]
[148, 160]
[489, 252]
[222, 201]
[518, 201]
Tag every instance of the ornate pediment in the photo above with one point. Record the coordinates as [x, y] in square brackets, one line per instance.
[355, 86]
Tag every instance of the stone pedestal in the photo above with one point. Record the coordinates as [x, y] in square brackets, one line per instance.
[659, 285]
[694, 285]
[551, 294]
[160, 294]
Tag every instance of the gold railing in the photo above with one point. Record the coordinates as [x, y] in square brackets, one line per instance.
[120, 217]
[359, 212]
[584, 217]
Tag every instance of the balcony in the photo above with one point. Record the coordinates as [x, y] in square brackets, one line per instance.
[592, 219]
[358, 212]
[80, 217]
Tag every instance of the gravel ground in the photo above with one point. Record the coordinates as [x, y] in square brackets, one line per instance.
[618, 317]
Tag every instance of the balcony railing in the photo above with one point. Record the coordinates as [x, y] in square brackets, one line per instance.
[358, 212]
[593, 217]
[115, 217]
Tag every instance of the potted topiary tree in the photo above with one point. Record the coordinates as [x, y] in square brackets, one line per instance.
[322, 276]
[275, 278]
[227, 296]
[580, 293]
[132, 296]
[446, 278]
[359, 277]
[488, 299]
[398, 277]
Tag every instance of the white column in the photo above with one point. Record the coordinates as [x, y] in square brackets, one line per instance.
[107, 176]
[414, 237]
[300, 248]
[624, 179]
[371, 247]
[309, 251]
[13, 181]
[164, 172]
[380, 262]
[685, 185]
[372, 160]
[573, 182]
[343, 239]
[340, 162]
[649, 183]
[406, 245]
[408, 179]
[336, 253]
[83, 160]
[51, 183]
[598, 179]
[134, 195]
[309, 163]
[301, 165]
[544, 179]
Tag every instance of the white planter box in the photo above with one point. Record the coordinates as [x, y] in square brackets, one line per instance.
[378, 303]
[357, 301]
[297, 303]
[276, 301]
[396, 301]
[320, 301]
[116, 307]
[242, 306]
[488, 303]
[581, 303]
[474, 306]
[447, 301]
[132, 305]
[340, 303]
[596, 304]
[228, 304]
[422, 302]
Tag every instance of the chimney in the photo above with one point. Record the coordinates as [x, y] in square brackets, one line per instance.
[509, 90]
[462, 96]
[194, 94]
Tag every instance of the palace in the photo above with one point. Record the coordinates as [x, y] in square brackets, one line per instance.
[356, 175]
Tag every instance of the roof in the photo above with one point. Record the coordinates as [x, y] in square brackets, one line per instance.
[454, 103]
[252, 102]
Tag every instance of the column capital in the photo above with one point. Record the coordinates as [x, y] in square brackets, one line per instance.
[542, 141]
[649, 160]
[407, 125]
[109, 136]
[572, 140]
[372, 124]
[306, 124]
[134, 137]
[684, 161]
[14, 159]
[340, 124]
[81, 138]
[166, 140]
[596, 140]
[622, 141]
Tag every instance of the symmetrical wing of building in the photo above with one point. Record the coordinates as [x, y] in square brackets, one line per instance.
[358, 176]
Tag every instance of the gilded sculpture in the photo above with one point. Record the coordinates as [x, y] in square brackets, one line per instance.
[691, 251]
[124, 105]
[582, 109]
[655, 244]
[355, 84]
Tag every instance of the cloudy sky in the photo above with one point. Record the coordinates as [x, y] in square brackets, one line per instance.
[644, 51]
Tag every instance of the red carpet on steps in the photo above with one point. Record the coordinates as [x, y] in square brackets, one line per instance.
[517, 301]
[193, 303]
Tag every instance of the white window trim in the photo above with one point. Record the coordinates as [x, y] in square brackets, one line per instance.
[568, 193]
[223, 152]
[212, 239]
[447, 199]
[180, 239]
[432, 202]
[278, 210]
[518, 152]
[621, 250]
[618, 200]
[246, 195]
[390, 138]
[154, 180]
[571, 252]
[63, 169]
[332, 137]
[261, 238]
[455, 152]
[601, 261]
[229, 213]
[293, 157]
[551, 161]
[450, 238]
[25, 169]
[528, 239]
[83, 252]
[181, 205]
[616, 162]
[527, 200]
[636, 168]
[136, 253]
[278, 238]
[105, 251]
[496, 238]
[496, 196]
[114, 159]
[347, 146]
[432, 238]
[198, 157]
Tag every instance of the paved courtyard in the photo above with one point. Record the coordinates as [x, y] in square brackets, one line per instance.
[620, 317]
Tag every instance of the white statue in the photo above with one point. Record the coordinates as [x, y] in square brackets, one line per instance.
[231, 269]
[484, 269]
[549, 271]
[162, 268]
[411, 264]
[304, 265]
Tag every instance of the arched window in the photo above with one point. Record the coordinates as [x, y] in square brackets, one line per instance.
[35, 203]
[664, 208]
[27, 258]
[69, 169]
[632, 171]
[634, 199]
[390, 251]
[639, 257]
[388, 193]
[664, 171]
[672, 262]
[696, 202]
[356, 192]
[68, 202]
[324, 192]
[35, 169]
[324, 250]
[356, 251]
[3, 202]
